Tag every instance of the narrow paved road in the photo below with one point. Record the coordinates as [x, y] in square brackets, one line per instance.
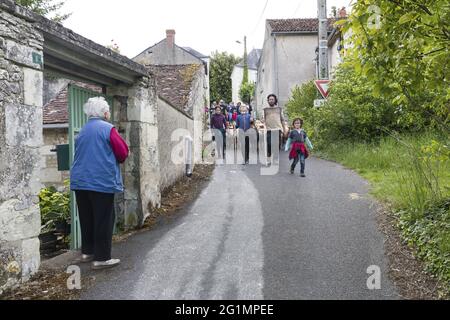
[250, 236]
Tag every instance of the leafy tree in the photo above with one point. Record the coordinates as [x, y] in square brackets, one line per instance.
[45, 8]
[402, 48]
[246, 92]
[222, 64]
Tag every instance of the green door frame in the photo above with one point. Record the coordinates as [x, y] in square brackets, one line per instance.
[77, 97]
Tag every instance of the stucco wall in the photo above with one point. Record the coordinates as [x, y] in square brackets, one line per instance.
[236, 80]
[296, 65]
[172, 166]
[287, 61]
[334, 57]
[162, 53]
[265, 84]
[170, 120]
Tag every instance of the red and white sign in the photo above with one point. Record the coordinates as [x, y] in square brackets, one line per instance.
[324, 87]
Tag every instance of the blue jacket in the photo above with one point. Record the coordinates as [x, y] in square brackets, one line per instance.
[95, 167]
[243, 121]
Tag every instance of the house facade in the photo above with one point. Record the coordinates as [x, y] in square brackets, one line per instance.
[288, 58]
[238, 72]
[167, 52]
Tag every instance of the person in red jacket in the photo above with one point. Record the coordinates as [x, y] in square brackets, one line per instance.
[95, 177]
[299, 152]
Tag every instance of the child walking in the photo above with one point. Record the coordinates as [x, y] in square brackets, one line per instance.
[299, 151]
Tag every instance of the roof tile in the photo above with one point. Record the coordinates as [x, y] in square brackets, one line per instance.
[56, 111]
[174, 82]
[298, 25]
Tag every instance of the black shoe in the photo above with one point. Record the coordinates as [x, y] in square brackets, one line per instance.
[292, 171]
[302, 175]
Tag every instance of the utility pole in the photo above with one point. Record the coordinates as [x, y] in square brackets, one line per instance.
[323, 39]
[245, 78]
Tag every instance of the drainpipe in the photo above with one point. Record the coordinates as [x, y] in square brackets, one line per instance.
[275, 62]
[188, 148]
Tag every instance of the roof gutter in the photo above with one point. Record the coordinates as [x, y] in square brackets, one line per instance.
[296, 32]
[56, 126]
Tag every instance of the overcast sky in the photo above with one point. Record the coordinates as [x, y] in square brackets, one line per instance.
[205, 25]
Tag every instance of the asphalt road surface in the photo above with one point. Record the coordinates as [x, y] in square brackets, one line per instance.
[253, 236]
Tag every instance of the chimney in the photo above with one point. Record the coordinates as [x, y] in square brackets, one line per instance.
[170, 36]
[342, 13]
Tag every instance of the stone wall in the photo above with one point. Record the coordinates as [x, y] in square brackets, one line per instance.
[197, 101]
[136, 110]
[171, 153]
[49, 175]
[21, 83]
[170, 119]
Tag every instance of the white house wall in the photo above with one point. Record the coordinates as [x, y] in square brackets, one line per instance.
[296, 65]
[162, 54]
[236, 80]
[265, 83]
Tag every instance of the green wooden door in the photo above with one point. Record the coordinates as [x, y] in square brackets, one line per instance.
[77, 97]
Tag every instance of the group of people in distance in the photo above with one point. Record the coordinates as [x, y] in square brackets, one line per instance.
[295, 139]
[232, 117]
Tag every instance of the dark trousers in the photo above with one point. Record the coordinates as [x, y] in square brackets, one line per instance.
[246, 149]
[96, 211]
[269, 141]
[300, 157]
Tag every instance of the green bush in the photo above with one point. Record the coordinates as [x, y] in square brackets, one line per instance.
[430, 238]
[246, 92]
[55, 207]
[350, 113]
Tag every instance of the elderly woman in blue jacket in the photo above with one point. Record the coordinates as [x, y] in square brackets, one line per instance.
[95, 177]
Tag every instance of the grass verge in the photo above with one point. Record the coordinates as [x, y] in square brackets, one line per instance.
[412, 174]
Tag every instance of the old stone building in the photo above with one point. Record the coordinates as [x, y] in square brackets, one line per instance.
[167, 52]
[29, 45]
[182, 76]
[157, 106]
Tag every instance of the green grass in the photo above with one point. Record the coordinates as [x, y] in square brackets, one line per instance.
[412, 173]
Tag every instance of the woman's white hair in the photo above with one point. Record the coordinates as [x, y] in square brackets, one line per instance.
[244, 108]
[96, 107]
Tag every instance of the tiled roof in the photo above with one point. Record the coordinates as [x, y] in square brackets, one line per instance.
[252, 59]
[56, 111]
[173, 84]
[298, 25]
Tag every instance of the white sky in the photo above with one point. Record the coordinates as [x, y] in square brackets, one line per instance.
[204, 25]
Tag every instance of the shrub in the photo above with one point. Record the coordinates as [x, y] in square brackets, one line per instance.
[55, 207]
